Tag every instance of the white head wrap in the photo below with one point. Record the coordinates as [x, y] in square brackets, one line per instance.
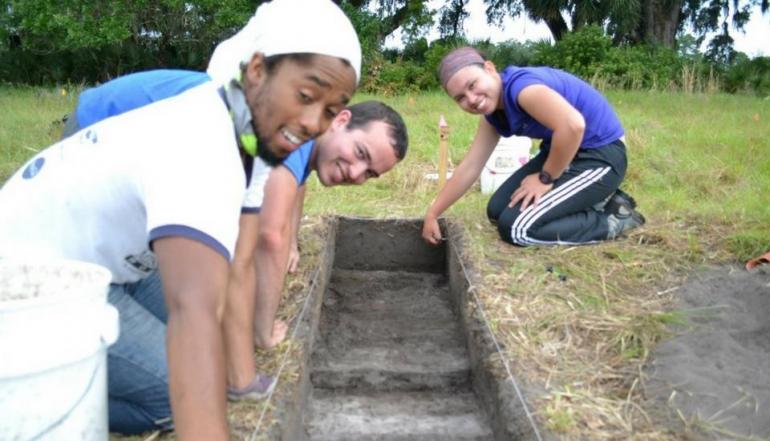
[289, 27]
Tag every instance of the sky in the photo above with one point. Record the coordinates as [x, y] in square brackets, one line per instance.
[754, 42]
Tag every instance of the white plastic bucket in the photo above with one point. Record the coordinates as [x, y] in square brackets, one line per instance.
[509, 155]
[55, 327]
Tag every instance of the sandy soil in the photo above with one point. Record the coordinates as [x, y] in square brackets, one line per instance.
[712, 379]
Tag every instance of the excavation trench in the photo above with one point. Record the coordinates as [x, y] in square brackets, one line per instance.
[395, 347]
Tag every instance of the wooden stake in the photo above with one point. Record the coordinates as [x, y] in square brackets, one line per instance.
[443, 153]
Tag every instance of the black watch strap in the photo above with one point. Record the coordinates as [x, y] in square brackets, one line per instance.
[545, 177]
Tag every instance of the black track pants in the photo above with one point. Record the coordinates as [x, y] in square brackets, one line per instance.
[564, 215]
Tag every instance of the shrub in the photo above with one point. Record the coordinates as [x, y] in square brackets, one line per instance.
[641, 67]
[748, 75]
[392, 77]
[588, 54]
[409, 71]
[509, 53]
[580, 53]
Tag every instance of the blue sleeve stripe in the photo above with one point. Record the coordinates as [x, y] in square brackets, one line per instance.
[250, 210]
[298, 162]
[190, 233]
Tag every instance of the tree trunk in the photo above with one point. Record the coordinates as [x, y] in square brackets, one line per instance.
[557, 26]
[394, 21]
[660, 21]
[550, 14]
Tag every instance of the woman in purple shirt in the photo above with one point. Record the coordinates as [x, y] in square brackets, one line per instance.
[568, 193]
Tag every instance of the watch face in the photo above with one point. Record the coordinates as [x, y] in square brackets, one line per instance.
[545, 178]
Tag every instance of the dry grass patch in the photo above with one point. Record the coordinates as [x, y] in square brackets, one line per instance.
[578, 323]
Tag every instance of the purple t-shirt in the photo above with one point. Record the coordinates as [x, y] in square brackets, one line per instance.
[602, 124]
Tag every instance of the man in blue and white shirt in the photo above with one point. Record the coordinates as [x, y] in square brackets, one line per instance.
[155, 195]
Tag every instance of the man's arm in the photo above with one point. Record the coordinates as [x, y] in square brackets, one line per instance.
[238, 320]
[296, 219]
[273, 248]
[194, 281]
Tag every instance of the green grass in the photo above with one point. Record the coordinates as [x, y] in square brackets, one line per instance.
[30, 122]
[695, 158]
[699, 159]
[702, 155]
[699, 167]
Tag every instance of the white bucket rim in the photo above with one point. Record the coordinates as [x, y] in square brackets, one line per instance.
[100, 277]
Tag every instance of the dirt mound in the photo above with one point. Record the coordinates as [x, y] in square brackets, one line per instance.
[713, 376]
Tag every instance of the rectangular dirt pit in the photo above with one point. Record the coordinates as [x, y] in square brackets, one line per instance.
[395, 348]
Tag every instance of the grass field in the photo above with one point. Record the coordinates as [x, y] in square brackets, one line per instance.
[577, 322]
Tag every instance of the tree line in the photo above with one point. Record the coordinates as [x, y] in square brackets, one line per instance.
[47, 41]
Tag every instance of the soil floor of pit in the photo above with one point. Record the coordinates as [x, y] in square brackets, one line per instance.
[713, 375]
[390, 362]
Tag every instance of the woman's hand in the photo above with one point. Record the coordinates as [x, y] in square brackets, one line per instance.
[431, 232]
[529, 192]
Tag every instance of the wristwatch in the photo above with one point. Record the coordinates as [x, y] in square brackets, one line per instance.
[545, 177]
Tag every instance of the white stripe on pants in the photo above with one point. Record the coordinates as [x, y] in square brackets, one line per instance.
[550, 201]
